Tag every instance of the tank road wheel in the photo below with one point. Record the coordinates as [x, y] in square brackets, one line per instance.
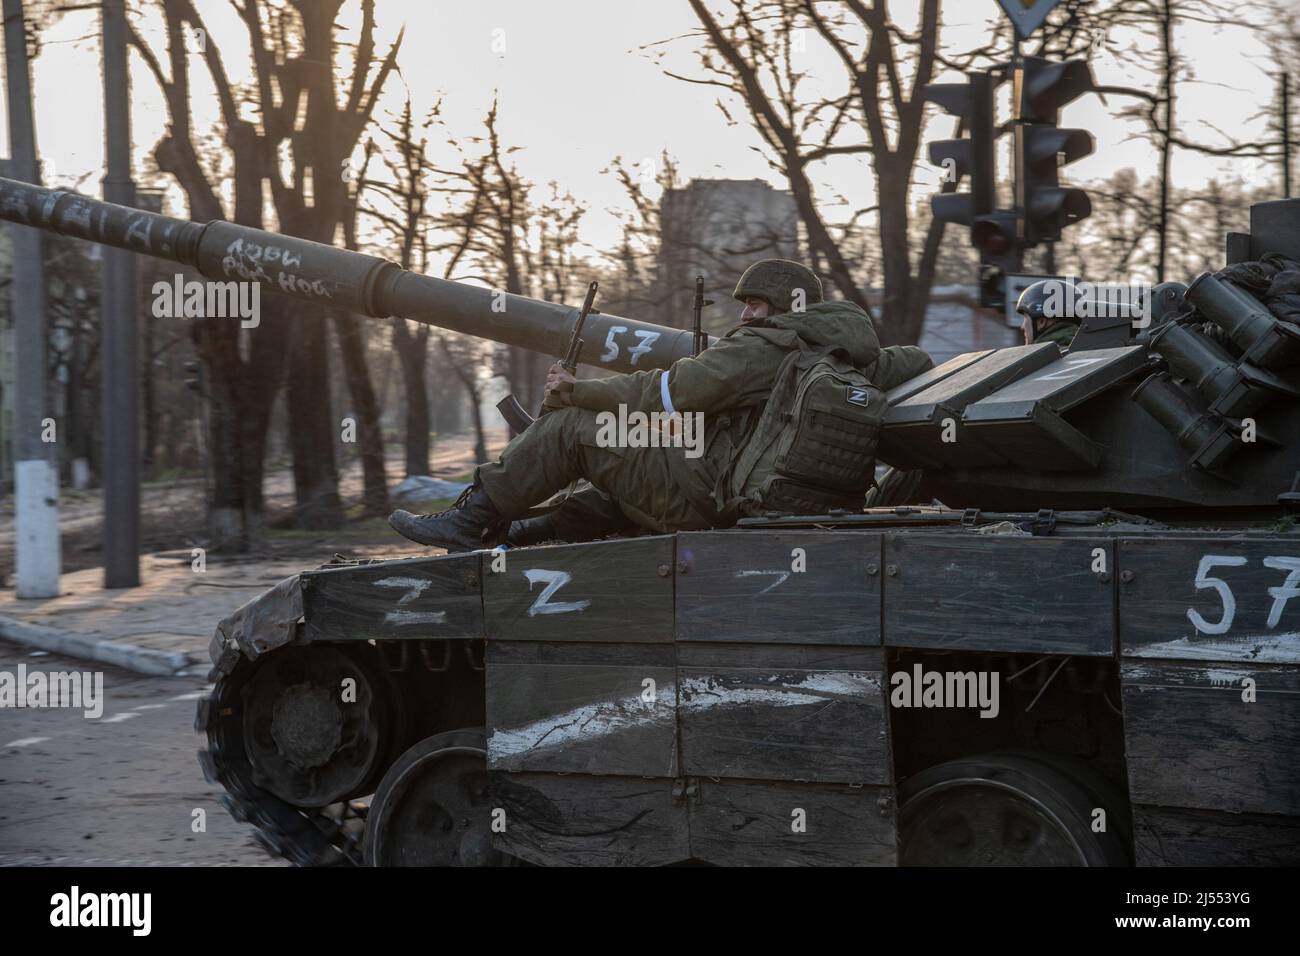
[1008, 809]
[311, 738]
[434, 808]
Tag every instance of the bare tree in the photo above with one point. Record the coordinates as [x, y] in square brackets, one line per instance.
[351, 333]
[637, 287]
[1116, 239]
[1120, 238]
[1148, 24]
[751, 55]
[405, 218]
[555, 262]
[484, 221]
[318, 148]
[1283, 38]
[239, 390]
[488, 225]
[293, 48]
[464, 355]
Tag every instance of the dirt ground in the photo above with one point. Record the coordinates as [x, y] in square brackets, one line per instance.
[172, 513]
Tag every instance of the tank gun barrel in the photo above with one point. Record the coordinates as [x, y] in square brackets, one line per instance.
[341, 279]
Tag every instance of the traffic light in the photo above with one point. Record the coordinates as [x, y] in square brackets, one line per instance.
[971, 157]
[994, 236]
[1042, 206]
[1042, 88]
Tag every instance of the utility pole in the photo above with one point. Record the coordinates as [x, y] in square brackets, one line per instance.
[36, 474]
[120, 362]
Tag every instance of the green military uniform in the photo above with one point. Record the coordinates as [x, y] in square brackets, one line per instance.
[660, 488]
[1062, 333]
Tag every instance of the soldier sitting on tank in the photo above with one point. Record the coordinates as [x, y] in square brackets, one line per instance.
[661, 489]
[1047, 312]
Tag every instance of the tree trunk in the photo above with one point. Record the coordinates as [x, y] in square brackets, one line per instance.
[412, 354]
[895, 256]
[263, 376]
[370, 430]
[919, 301]
[311, 425]
[528, 375]
[222, 367]
[475, 393]
[469, 379]
[819, 238]
[217, 345]
[266, 345]
[480, 439]
[239, 393]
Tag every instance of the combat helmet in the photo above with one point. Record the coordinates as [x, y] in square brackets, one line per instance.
[776, 280]
[1034, 300]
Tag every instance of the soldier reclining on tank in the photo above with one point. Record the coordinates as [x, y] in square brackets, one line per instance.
[661, 489]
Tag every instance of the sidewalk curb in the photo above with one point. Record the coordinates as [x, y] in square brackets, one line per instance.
[142, 660]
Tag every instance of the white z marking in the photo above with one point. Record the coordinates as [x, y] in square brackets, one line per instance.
[415, 587]
[554, 580]
[1073, 367]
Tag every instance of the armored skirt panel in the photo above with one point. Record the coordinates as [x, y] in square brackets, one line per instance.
[633, 720]
[1210, 671]
[727, 695]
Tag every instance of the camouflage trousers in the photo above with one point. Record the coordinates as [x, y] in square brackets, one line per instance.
[561, 447]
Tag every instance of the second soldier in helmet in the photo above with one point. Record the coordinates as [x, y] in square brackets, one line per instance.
[1046, 309]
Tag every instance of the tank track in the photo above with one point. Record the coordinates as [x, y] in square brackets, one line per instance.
[304, 837]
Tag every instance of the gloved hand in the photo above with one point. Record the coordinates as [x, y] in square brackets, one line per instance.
[559, 388]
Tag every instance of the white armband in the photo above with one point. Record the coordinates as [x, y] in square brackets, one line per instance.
[663, 393]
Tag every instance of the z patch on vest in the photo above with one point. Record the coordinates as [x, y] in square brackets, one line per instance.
[856, 395]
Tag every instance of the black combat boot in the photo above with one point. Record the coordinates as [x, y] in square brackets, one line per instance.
[530, 531]
[473, 522]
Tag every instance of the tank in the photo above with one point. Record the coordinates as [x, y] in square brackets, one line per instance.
[1064, 629]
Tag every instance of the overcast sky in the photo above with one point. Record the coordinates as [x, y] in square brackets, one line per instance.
[576, 90]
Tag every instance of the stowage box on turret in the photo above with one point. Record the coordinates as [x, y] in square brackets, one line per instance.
[1084, 649]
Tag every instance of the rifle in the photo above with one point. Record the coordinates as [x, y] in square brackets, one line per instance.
[701, 341]
[509, 407]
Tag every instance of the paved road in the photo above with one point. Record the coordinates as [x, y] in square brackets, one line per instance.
[120, 790]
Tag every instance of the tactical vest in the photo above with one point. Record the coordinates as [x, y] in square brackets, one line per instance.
[813, 448]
